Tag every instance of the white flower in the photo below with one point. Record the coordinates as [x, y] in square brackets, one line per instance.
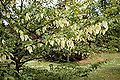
[29, 48]
[52, 43]
[22, 37]
[62, 43]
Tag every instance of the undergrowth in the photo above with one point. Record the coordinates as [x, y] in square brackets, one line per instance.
[59, 72]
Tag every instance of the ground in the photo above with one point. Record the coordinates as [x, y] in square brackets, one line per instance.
[107, 71]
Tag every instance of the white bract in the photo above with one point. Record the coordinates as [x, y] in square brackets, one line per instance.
[52, 43]
[29, 48]
[62, 43]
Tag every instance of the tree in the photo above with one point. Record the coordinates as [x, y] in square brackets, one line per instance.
[33, 28]
[109, 9]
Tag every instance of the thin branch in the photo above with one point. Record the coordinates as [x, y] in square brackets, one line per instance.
[29, 60]
[3, 4]
[46, 24]
[8, 2]
[21, 6]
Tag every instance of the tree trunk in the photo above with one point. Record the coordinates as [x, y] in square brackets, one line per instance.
[68, 58]
[17, 66]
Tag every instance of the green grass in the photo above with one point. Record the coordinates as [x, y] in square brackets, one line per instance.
[40, 65]
[109, 71]
[106, 71]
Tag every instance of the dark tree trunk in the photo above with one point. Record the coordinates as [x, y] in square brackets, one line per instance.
[17, 66]
[68, 58]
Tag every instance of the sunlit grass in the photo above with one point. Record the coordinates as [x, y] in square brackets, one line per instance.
[40, 64]
[109, 71]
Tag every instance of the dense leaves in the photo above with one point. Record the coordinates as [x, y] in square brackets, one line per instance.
[66, 30]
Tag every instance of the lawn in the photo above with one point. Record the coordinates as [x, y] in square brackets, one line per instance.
[98, 66]
[110, 70]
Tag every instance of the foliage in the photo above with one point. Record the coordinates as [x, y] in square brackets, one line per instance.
[67, 71]
[62, 31]
[109, 41]
[67, 30]
[109, 9]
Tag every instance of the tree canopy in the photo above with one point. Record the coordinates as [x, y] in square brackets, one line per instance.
[31, 27]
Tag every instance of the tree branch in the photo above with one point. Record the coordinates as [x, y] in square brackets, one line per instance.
[21, 5]
[46, 23]
[3, 4]
[29, 60]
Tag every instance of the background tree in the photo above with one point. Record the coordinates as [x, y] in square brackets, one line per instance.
[109, 9]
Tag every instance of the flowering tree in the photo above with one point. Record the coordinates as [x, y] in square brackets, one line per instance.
[35, 27]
